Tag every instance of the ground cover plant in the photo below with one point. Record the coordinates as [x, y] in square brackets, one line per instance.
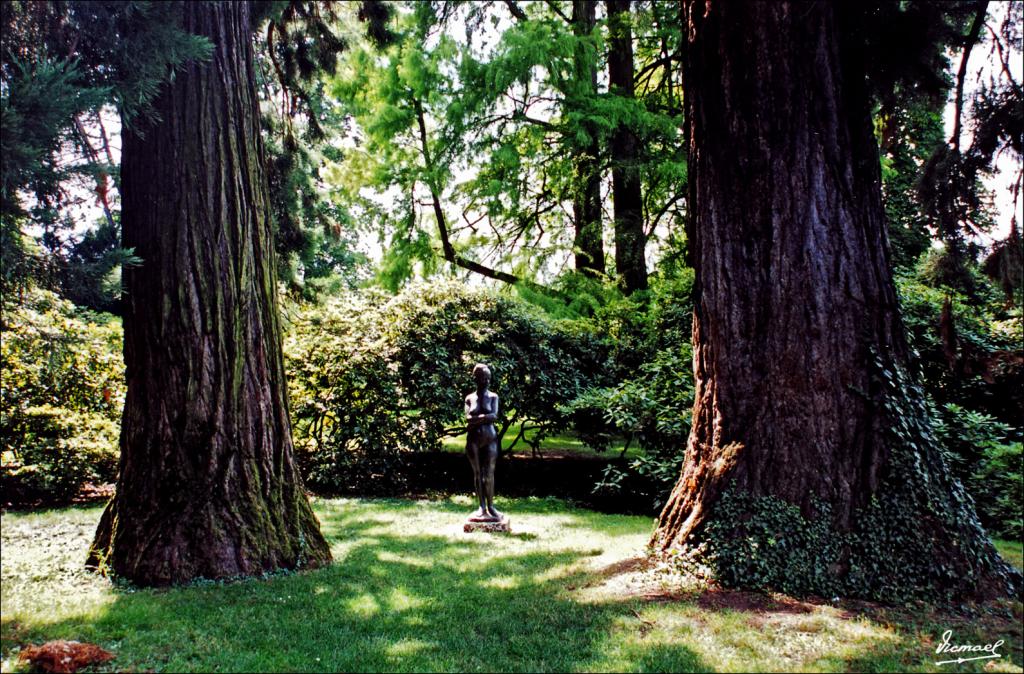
[566, 591]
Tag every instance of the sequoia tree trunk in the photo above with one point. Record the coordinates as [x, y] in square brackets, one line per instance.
[630, 242]
[810, 465]
[589, 241]
[207, 486]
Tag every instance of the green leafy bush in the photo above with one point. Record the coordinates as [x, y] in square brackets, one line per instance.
[60, 451]
[973, 375]
[985, 458]
[60, 398]
[372, 377]
[653, 409]
[997, 486]
[651, 397]
[974, 359]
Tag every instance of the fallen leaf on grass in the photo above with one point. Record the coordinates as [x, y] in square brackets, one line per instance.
[64, 657]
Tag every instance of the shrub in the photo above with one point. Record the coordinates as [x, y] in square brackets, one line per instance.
[997, 486]
[973, 356]
[652, 409]
[60, 398]
[372, 378]
[60, 451]
[986, 459]
[651, 402]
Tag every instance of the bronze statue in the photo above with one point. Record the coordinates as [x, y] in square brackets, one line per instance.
[482, 443]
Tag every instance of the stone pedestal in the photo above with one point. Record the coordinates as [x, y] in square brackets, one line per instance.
[494, 526]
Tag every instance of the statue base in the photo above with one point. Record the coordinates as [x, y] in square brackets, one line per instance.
[503, 525]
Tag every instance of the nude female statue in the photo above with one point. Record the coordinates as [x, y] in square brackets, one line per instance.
[482, 443]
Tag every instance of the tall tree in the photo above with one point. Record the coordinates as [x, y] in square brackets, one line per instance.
[207, 484]
[626, 190]
[588, 243]
[810, 465]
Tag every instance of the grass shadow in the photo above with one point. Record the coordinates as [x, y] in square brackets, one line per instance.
[410, 592]
[398, 598]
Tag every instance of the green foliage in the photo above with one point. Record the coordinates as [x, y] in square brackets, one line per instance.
[60, 399]
[315, 243]
[386, 182]
[894, 538]
[996, 486]
[650, 397]
[765, 542]
[975, 363]
[296, 52]
[372, 378]
[346, 428]
[91, 275]
[57, 452]
[505, 125]
[37, 102]
[984, 457]
[652, 408]
[907, 135]
[531, 113]
[62, 63]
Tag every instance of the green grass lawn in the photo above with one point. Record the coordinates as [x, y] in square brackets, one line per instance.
[1012, 551]
[566, 443]
[408, 591]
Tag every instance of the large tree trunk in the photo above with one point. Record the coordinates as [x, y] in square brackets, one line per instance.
[630, 241]
[810, 465]
[207, 486]
[586, 207]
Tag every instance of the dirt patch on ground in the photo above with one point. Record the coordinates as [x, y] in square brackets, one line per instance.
[753, 602]
[632, 578]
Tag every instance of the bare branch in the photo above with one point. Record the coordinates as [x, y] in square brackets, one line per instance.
[557, 10]
[516, 10]
[969, 42]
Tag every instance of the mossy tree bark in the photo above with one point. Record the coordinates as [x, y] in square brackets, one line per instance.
[630, 241]
[803, 400]
[207, 485]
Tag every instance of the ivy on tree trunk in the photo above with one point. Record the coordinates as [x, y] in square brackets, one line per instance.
[208, 487]
[810, 466]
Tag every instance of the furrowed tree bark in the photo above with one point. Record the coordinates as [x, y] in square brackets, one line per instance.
[207, 485]
[798, 344]
[589, 241]
[630, 241]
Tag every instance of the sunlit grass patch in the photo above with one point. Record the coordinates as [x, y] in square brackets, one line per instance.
[562, 443]
[1011, 551]
[410, 591]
